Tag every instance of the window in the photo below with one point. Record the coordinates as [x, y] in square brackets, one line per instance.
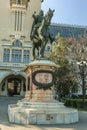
[18, 20]
[19, 2]
[26, 56]
[16, 56]
[6, 56]
[16, 53]
[17, 43]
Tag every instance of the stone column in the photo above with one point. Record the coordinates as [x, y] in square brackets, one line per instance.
[27, 95]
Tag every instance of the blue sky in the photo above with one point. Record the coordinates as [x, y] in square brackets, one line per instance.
[67, 11]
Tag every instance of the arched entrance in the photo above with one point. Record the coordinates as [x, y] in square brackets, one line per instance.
[13, 85]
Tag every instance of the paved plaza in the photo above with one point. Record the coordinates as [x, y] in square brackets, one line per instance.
[5, 125]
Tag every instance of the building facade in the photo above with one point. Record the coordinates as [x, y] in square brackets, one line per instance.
[15, 44]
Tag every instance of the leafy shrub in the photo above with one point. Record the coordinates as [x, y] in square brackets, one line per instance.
[75, 103]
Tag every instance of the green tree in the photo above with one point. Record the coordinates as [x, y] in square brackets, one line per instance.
[79, 55]
[65, 78]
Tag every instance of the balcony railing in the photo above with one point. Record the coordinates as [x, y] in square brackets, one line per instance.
[18, 6]
[12, 65]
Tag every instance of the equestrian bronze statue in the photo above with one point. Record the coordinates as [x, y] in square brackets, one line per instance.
[40, 31]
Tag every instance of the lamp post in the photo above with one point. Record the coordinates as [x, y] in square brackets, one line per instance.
[82, 67]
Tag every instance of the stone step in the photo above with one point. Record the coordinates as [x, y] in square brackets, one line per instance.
[44, 105]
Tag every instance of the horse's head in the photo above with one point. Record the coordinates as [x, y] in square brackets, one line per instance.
[48, 16]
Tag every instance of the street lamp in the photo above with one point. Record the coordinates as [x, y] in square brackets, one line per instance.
[82, 67]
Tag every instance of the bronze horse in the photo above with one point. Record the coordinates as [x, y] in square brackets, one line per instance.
[42, 34]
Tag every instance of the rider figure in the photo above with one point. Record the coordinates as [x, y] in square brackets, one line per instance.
[37, 22]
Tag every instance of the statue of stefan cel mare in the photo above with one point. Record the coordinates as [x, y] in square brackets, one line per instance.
[40, 31]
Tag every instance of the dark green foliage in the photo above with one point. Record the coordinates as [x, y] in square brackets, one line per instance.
[75, 103]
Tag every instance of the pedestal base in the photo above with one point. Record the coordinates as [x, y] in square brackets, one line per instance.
[39, 106]
[41, 113]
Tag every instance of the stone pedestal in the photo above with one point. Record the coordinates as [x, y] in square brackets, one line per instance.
[39, 105]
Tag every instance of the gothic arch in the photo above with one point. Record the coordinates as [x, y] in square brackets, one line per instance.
[17, 43]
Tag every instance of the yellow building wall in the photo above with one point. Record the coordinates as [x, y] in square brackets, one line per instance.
[8, 34]
[7, 22]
